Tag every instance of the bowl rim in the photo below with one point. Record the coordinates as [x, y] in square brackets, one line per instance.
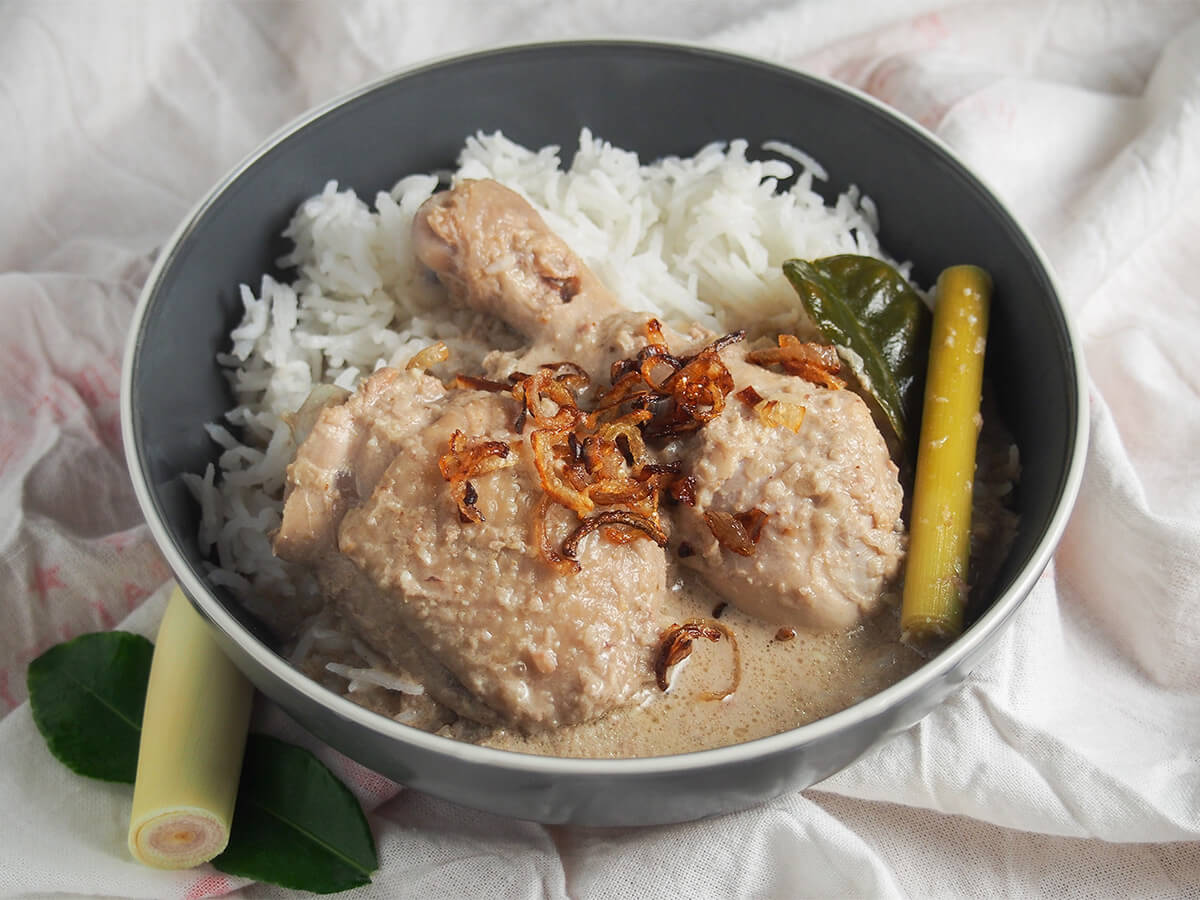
[202, 598]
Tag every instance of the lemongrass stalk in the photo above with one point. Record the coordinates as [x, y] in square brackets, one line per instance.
[936, 586]
[193, 735]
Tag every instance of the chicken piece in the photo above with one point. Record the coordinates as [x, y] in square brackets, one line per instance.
[833, 540]
[469, 609]
[538, 648]
[493, 252]
[345, 453]
[342, 457]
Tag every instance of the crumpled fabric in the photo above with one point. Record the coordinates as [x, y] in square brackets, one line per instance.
[1067, 765]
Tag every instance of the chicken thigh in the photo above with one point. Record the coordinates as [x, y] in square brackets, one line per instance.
[832, 541]
[469, 607]
[538, 648]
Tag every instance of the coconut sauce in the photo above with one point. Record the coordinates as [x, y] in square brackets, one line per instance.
[785, 682]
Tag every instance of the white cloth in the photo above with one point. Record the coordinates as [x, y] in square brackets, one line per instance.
[1067, 765]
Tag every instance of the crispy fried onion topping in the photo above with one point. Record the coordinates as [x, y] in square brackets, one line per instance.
[680, 393]
[813, 362]
[739, 532]
[466, 460]
[602, 473]
[780, 414]
[547, 398]
[613, 518]
[545, 545]
[675, 645]
[596, 464]
[773, 413]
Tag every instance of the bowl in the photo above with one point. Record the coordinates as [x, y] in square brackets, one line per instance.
[656, 98]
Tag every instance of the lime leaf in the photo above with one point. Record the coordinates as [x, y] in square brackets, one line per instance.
[295, 824]
[87, 697]
[864, 304]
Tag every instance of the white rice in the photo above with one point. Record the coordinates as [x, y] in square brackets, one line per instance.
[689, 240]
[362, 679]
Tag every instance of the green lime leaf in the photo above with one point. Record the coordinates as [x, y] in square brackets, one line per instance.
[295, 824]
[864, 304]
[87, 697]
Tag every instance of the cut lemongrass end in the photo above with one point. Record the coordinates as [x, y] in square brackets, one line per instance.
[177, 838]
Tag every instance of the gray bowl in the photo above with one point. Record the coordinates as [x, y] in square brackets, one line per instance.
[657, 99]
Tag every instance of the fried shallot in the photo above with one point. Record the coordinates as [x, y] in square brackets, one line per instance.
[612, 518]
[780, 414]
[738, 532]
[464, 461]
[596, 464]
[813, 362]
[675, 645]
[690, 392]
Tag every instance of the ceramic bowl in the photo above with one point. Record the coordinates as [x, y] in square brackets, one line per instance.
[657, 99]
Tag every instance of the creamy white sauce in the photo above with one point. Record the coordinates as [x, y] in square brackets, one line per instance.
[784, 684]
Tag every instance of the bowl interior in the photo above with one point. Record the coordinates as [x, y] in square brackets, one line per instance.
[653, 98]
